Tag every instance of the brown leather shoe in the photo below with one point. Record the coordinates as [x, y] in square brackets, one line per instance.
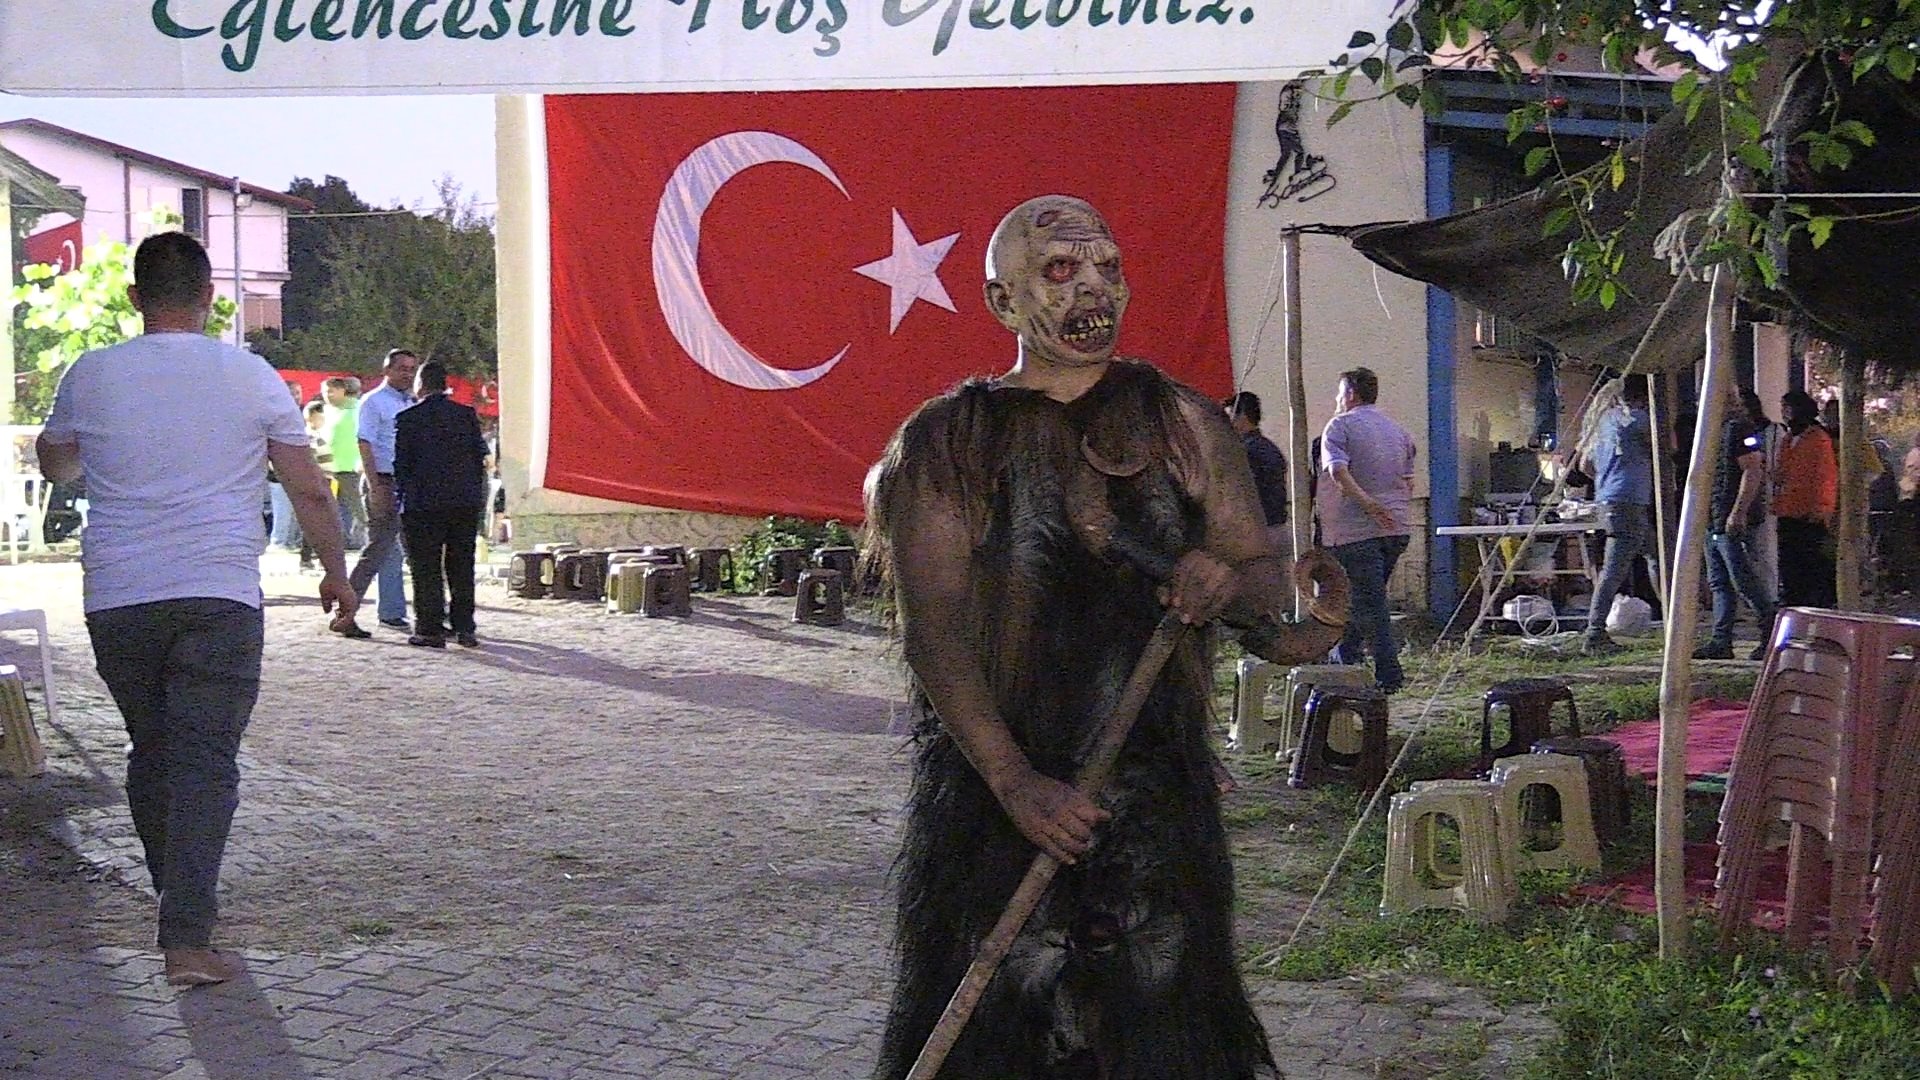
[201, 967]
[347, 628]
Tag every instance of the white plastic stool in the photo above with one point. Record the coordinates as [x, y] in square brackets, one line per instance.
[35, 620]
[1250, 731]
[21, 754]
[1483, 884]
[1579, 847]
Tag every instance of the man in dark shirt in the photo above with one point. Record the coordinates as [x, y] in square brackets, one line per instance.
[1269, 466]
[440, 471]
[1738, 510]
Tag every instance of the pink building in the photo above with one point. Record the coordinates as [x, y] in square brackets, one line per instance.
[122, 184]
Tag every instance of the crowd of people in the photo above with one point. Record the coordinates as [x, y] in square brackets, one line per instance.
[444, 464]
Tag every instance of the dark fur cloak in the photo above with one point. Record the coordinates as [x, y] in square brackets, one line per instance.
[1127, 971]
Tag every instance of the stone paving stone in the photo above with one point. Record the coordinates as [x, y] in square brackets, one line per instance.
[805, 999]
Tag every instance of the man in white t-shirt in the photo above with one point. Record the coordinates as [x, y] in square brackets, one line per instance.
[173, 432]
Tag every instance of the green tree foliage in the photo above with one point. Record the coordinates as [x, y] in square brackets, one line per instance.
[1510, 37]
[334, 207]
[421, 280]
[61, 316]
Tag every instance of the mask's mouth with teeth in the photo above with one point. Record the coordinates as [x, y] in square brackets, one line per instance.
[1089, 332]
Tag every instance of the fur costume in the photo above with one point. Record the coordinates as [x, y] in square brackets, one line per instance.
[1127, 970]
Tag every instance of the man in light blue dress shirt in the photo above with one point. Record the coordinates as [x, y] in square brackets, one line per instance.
[379, 420]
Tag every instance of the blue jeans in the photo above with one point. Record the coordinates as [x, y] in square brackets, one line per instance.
[1369, 565]
[392, 587]
[382, 557]
[1628, 538]
[1731, 577]
[184, 674]
[286, 527]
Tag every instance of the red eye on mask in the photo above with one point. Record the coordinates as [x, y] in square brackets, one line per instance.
[1060, 271]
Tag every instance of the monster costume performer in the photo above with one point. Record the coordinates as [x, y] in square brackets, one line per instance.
[996, 511]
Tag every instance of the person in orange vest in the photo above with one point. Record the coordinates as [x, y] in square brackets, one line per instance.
[1806, 498]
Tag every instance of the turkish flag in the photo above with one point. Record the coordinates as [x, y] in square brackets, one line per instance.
[752, 291]
[58, 247]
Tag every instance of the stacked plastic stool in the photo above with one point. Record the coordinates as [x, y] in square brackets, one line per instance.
[1606, 780]
[1302, 681]
[1315, 760]
[1516, 777]
[665, 589]
[1529, 707]
[782, 570]
[1250, 731]
[711, 568]
[1483, 883]
[820, 598]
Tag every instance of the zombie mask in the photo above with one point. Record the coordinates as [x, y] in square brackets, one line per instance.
[1054, 279]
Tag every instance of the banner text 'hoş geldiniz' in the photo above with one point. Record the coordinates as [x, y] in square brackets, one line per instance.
[751, 291]
[213, 47]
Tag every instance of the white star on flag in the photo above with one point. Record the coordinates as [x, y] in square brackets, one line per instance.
[912, 271]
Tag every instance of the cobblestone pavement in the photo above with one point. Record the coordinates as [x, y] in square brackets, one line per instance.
[397, 922]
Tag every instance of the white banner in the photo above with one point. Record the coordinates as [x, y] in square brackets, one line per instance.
[158, 48]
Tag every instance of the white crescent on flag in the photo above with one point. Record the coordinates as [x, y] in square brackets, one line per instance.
[676, 257]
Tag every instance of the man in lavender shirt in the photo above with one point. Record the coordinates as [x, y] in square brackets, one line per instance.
[1365, 504]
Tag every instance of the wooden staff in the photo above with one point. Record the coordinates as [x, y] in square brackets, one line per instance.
[1093, 777]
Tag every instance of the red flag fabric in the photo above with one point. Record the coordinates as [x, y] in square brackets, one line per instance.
[483, 396]
[59, 247]
[752, 291]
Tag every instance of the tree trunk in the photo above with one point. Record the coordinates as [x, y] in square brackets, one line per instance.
[1851, 534]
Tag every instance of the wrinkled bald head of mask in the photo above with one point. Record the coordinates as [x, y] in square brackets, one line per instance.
[1054, 279]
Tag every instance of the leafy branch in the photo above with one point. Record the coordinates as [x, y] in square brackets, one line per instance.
[1520, 39]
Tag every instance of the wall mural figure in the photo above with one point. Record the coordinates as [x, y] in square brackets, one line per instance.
[1297, 174]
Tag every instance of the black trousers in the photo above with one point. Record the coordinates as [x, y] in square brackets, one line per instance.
[440, 545]
[1806, 564]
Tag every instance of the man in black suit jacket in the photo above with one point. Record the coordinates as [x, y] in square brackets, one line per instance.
[440, 472]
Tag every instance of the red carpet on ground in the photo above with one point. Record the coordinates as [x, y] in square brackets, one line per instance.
[1634, 889]
[1713, 731]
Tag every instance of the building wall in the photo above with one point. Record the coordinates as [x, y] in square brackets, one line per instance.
[1354, 314]
[120, 192]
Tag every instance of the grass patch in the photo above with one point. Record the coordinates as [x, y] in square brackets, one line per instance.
[1624, 1013]
[1245, 814]
[370, 929]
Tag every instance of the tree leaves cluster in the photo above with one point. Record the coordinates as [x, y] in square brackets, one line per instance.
[1727, 42]
[367, 279]
[60, 316]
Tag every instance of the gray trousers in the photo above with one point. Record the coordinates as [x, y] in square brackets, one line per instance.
[185, 674]
[1629, 537]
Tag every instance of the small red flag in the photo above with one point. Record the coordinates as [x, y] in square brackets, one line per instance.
[752, 291]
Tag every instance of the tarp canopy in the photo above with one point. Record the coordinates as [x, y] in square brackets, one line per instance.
[156, 48]
[1858, 289]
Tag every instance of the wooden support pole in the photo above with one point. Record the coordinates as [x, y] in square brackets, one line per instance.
[1300, 466]
[1663, 577]
[1853, 451]
[1676, 668]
